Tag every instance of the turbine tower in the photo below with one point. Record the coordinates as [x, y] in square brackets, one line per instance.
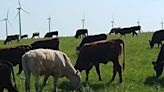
[7, 21]
[138, 22]
[112, 22]
[49, 20]
[162, 24]
[83, 21]
[19, 14]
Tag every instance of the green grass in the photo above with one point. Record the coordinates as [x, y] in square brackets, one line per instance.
[138, 75]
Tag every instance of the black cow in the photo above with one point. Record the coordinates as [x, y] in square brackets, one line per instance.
[136, 28]
[24, 36]
[6, 70]
[50, 34]
[92, 54]
[158, 65]
[115, 30]
[34, 35]
[92, 38]
[81, 32]
[14, 54]
[127, 30]
[158, 37]
[10, 38]
[46, 44]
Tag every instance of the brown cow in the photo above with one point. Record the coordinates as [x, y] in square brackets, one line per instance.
[92, 54]
[14, 54]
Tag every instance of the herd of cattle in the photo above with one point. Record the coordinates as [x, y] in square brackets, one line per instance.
[45, 58]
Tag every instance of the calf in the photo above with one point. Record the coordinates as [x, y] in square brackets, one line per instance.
[14, 55]
[10, 38]
[47, 44]
[92, 54]
[91, 38]
[50, 34]
[6, 70]
[48, 62]
[81, 32]
[158, 37]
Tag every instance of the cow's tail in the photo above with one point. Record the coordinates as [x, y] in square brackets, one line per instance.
[123, 46]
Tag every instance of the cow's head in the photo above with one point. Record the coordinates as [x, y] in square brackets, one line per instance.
[151, 44]
[158, 67]
[76, 80]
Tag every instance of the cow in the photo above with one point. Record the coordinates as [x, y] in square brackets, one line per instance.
[94, 53]
[34, 35]
[158, 65]
[10, 38]
[49, 43]
[91, 38]
[115, 30]
[48, 62]
[136, 28]
[50, 34]
[24, 36]
[81, 32]
[7, 74]
[158, 37]
[128, 30]
[14, 54]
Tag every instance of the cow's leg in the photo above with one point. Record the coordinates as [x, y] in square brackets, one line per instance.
[98, 71]
[55, 84]
[119, 72]
[20, 69]
[37, 88]
[114, 73]
[87, 72]
[44, 82]
[27, 80]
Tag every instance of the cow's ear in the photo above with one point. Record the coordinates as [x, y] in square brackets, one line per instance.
[154, 63]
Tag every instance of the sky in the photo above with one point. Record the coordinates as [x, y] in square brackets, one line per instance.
[66, 15]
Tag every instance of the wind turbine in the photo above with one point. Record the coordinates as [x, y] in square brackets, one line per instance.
[83, 21]
[49, 20]
[7, 21]
[19, 13]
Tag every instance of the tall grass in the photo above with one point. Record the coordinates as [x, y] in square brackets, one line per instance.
[137, 77]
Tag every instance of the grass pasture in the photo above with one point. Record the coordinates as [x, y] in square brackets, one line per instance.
[138, 75]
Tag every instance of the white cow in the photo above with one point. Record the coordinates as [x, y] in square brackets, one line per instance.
[48, 62]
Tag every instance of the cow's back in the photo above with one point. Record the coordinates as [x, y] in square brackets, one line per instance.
[41, 61]
[158, 36]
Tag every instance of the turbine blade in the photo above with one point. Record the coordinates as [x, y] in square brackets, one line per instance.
[7, 14]
[25, 11]
[16, 15]
[19, 4]
[2, 20]
[9, 23]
